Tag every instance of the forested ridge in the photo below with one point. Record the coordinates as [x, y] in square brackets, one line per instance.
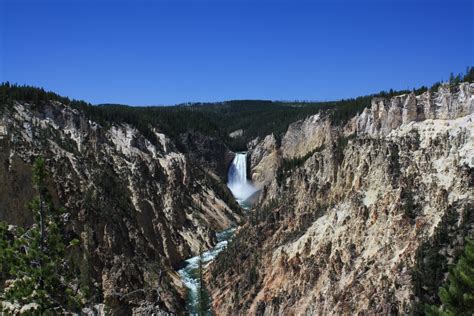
[256, 118]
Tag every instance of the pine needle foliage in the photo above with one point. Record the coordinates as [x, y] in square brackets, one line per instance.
[457, 295]
[35, 271]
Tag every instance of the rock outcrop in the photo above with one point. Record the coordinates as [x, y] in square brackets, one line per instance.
[304, 136]
[385, 115]
[237, 133]
[351, 229]
[139, 206]
[264, 159]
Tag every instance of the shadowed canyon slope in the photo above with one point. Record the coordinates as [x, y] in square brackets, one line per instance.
[138, 205]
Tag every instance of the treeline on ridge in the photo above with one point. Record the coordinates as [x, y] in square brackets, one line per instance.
[256, 118]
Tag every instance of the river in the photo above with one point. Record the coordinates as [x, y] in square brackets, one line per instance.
[242, 189]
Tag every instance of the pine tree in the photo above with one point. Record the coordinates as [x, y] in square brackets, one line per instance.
[457, 296]
[37, 275]
[469, 76]
[451, 78]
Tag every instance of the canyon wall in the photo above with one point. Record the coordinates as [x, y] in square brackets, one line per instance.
[138, 205]
[353, 227]
[264, 157]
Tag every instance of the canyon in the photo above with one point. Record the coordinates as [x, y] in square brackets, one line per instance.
[138, 208]
[349, 225]
[334, 216]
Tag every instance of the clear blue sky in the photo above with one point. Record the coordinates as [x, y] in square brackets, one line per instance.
[166, 52]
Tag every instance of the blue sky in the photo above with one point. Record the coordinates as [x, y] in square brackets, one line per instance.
[166, 52]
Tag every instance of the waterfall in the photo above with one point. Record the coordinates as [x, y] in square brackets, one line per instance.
[237, 182]
[242, 189]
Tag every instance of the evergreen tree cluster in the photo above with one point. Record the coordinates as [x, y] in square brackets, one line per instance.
[457, 295]
[36, 276]
[13, 92]
[432, 262]
[257, 118]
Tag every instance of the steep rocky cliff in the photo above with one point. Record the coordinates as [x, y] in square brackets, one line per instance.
[386, 115]
[138, 205]
[263, 160]
[353, 226]
[208, 152]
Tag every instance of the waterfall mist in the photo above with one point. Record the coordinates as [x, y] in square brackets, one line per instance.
[241, 188]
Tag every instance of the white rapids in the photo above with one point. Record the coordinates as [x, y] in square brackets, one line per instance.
[189, 274]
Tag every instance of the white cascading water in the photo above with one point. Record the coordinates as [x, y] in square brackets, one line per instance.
[190, 273]
[237, 182]
[242, 189]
